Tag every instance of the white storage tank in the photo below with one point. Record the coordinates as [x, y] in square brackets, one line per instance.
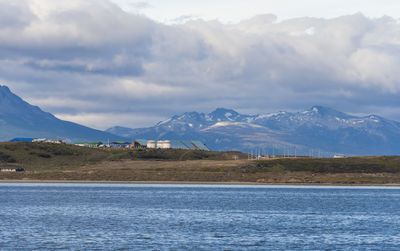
[151, 144]
[339, 156]
[165, 144]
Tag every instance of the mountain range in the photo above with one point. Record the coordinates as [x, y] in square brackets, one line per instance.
[20, 119]
[318, 131]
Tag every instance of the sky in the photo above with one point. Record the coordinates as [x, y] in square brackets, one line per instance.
[227, 11]
[104, 63]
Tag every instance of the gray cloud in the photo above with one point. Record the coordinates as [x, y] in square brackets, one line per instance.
[14, 15]
[89, 59]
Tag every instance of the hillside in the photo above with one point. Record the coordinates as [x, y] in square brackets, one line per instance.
[51, 162]
[20, 119]
[320, 131]
[42, 156]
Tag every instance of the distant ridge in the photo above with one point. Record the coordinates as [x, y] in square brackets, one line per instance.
[318, 131]
[20, 119]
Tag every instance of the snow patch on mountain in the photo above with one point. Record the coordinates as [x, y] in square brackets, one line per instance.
[316, 128]
[229, 123]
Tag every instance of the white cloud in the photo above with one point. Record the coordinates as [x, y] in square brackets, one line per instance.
[232, 11]
[105, 120]
[91, 59]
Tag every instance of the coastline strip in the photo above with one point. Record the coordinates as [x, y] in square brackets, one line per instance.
[193, 183]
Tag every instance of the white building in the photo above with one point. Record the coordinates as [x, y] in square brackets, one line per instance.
[338, 156]
[52, 141]
[164, 144]
[151, 144]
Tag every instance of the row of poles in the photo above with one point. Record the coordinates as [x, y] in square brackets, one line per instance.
[285, 152]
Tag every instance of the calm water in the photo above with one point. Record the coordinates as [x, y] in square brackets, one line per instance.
[181, 217]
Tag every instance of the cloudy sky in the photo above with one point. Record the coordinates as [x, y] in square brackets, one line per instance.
[103, 63]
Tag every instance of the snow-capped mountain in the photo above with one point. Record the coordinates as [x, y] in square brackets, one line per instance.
[20, 119]
[318, 129]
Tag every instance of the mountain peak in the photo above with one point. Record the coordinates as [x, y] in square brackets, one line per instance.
[222, 114]
[327, 111]
[316, 128]
[11, 103]
[188, 116]
[320, 108]
[5, 92]
[4, 89]
[21, 119]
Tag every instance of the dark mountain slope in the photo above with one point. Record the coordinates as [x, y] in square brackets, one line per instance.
[20, 119]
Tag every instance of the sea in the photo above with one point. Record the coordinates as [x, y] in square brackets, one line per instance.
[197, 217]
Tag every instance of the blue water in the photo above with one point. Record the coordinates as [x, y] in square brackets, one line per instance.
[182, 217]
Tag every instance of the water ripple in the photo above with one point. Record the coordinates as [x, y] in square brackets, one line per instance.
[162, 217]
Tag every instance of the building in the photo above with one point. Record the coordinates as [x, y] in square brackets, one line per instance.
[164, 144]
[37, 140]
[339, 156]
[22, 140]
[189, 145]
[95, 144]
[151, 144]
[170, 144]
[200, 146]
[139, 143]
[81, 144]
[12, 169]
[120, 144]
[52, 141]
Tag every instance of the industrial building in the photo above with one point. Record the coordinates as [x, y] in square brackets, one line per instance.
[164, 144]
[42, 140]
[136, 144]
[22, 140]
[12, 169]
[170, 144]
[119, 144]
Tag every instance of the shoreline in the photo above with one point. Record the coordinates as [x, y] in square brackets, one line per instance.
[231, 183]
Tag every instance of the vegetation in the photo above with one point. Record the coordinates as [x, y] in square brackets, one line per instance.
[40, 156]
[382, 164]
[43, 161]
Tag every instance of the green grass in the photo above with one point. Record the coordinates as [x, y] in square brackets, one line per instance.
[39, 156]
[44, 161]
[383, 164]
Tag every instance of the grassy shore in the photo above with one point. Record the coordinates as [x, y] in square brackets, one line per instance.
[50, 162]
